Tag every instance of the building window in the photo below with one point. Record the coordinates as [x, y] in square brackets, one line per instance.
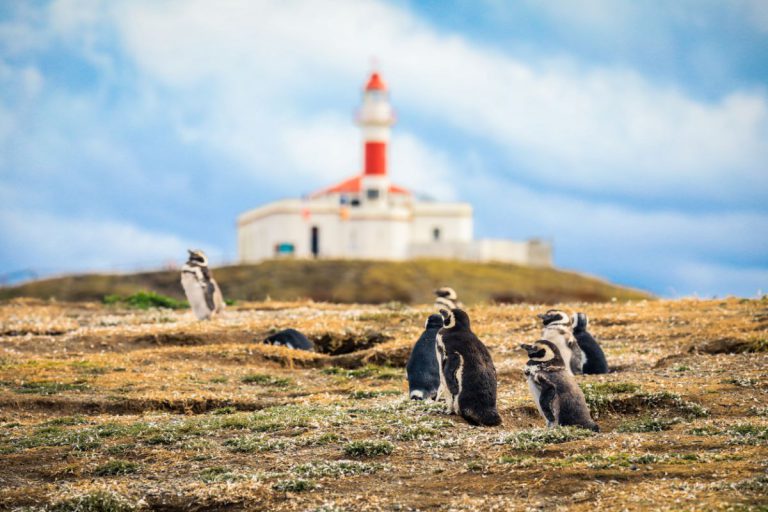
[343, 199]
[354, 202]
[436, 234]
[372, 194]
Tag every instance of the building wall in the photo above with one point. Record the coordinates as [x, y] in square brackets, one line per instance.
[454, 221]
[395, 233]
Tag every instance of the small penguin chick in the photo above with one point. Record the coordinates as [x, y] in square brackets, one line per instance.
[558, 397]
[422, 369]
[558, 330]
[447, 299]
[200, 287]
[594, 361]
[467, 374]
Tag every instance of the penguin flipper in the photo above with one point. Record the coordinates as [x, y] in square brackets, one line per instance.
[546, 398]
[210, 289]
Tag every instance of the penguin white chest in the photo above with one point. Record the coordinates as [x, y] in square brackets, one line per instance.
[460, 381]
[442, 390]
[194, 286]
[535, 389]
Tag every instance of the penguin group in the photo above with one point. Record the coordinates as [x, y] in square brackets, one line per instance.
[450, 364]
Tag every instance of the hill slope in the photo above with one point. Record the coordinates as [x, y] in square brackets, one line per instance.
[349, 281]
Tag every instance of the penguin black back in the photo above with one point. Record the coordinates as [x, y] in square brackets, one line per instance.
[595, 357]
[468, 371]
[290, 338]
[422, 368]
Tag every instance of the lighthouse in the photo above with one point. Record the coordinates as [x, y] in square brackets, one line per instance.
[367, 216]
[375, 118]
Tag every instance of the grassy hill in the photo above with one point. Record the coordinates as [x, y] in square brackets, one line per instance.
[349, 281]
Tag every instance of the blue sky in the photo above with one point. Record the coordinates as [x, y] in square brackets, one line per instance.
[634, 135]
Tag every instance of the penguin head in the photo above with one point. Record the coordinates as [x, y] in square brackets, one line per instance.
[580, 322]
[455, 319]
[197, 257]
[543, 352]
[446, 292]
[554, 317]
[434, 322]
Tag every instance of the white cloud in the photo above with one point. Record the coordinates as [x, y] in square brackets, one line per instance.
[670, 252]
[598, 130]
[50, 243]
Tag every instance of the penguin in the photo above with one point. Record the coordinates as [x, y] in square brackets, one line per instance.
[558, 330]
[290, 338]
[447, 299]
[201, 289]
[594, 359]
[558, 398]
[422, 370]
[467, 374]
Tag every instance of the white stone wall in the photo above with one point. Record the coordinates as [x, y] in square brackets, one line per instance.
[397, 232]
[454, 220]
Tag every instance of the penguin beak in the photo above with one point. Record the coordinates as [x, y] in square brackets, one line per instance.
[541, 316]
[530, 349]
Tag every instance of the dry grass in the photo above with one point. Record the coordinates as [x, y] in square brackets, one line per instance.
[103, 408]
[350, 281]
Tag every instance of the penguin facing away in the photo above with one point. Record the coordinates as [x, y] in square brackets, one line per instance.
[446, 298]
[467, 375]
[558, 330]
[290, 338]
[422, 369]
[558, 397]
[201, 289]
[594, 357]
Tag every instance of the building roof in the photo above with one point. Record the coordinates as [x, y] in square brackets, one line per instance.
[352, 185]
[375, 83]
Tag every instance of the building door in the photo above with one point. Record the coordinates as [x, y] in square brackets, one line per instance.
[315, 243]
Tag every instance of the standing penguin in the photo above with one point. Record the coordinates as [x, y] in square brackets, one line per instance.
[558, 330]
[422, 369]
[467, 374]
[554, 389]
[290, 338]
[201, 289]
[447, 299]
[594, 358]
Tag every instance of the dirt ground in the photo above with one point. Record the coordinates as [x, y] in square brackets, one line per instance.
[103, 408]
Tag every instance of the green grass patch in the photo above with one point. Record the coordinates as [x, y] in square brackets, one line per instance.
[368, 448]
[45, 387]
[255, 444]
[370, 371]
[336, 468]
[648, 424]
[219, 474]
[537, 438]
[99, 501]
[362, 394]
[417, 432]
[224, 410]
[739, 434]
[294, 485]
[146, 300]
[262, 379]
[65, 421]
[116, 467]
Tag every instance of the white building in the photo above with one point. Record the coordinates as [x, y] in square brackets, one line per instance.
[369, 217]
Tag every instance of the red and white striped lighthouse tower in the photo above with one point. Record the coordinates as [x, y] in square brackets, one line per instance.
[375, 119]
